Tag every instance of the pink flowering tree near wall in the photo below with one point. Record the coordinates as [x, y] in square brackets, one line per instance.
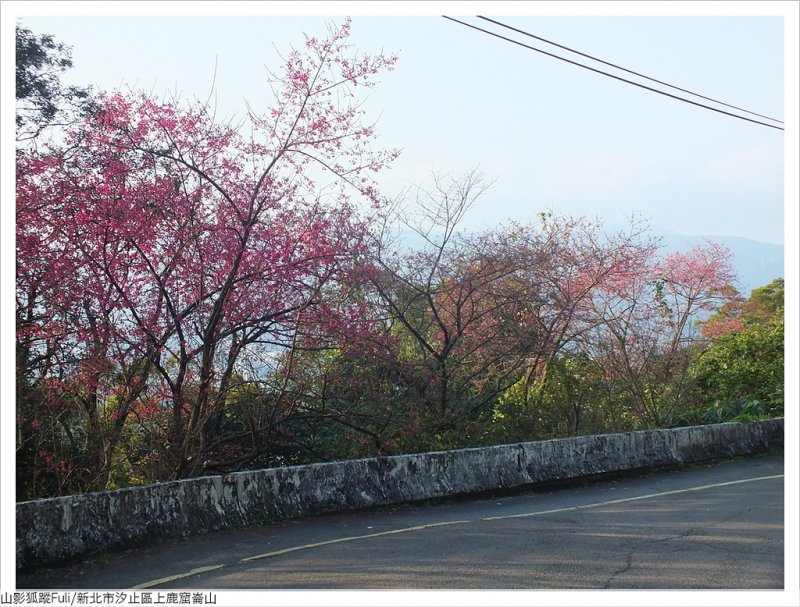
[158, 251]
[650, 327]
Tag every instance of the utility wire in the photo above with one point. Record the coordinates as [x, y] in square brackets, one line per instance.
[772, 126]
[619, 67]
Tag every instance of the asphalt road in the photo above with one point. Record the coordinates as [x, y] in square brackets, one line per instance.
[718, 527]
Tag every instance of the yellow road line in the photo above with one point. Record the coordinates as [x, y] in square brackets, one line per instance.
[631, 499]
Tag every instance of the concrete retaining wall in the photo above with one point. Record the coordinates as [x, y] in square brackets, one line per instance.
[57, 530]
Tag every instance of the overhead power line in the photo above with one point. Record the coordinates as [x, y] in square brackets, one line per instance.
[619, 67]
[649, 88]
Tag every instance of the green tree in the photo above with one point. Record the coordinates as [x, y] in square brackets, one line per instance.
[41, 98]
[742, 372]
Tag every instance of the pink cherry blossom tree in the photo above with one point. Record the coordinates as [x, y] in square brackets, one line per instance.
[651, 327]
[564, 265]
[158, 250]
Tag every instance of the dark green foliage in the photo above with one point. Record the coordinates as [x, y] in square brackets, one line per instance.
[40, 61]
[746, 364]
[739, 410]
[742, 374]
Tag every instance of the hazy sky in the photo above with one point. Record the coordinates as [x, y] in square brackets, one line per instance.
[554, 136]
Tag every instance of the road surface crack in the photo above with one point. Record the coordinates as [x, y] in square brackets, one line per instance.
[629, 562]
[704, 528]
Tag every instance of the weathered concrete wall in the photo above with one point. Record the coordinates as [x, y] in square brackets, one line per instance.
[62, 529]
